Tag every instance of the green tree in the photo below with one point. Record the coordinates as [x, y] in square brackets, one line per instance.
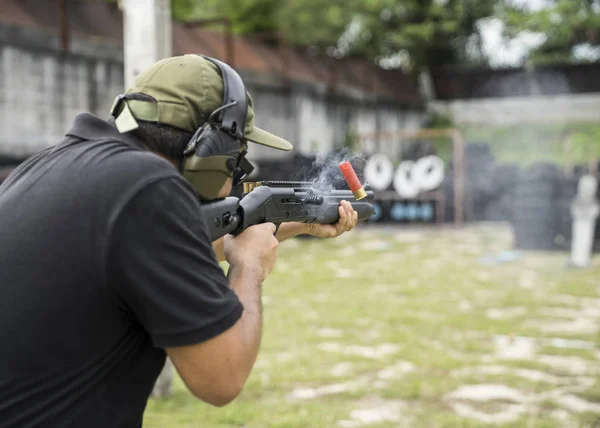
[303, 22]
[414, 34]
[568, 26]
[424, 32]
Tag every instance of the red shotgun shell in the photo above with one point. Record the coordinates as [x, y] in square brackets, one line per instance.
[352, 180]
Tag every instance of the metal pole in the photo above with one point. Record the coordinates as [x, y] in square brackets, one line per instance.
[64, 24]
[147, 36]
[459, 177]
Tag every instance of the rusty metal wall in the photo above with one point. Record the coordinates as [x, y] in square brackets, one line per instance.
[98, 20]
[42, 88]
[459, 83]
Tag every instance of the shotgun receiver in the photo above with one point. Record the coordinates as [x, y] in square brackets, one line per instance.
[279, 202]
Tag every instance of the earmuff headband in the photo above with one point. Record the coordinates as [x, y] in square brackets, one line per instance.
[233, 118]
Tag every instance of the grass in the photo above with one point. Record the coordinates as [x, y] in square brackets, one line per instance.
[401, 318]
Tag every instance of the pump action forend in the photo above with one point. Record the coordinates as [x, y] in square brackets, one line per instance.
[279, 202]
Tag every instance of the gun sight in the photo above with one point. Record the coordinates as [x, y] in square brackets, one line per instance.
[249, 186]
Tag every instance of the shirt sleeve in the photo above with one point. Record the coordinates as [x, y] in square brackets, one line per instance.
[166, 271]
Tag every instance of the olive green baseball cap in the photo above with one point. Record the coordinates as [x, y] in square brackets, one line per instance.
[182, 92]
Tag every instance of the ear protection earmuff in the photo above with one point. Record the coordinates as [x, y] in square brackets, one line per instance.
[216, 151]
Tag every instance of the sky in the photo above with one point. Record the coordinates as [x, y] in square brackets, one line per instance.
[501, 53]
[532, 4]
[505, 54]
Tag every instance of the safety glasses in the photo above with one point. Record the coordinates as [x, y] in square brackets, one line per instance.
[243, 169]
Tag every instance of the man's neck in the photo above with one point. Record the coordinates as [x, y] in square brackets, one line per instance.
[175, 162]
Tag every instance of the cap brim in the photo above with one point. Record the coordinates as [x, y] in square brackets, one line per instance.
[260, 136]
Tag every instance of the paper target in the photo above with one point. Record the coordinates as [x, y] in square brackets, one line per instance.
[379, 172]
[404, 182]
[428, 173]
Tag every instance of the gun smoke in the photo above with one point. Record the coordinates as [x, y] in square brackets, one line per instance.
[324, 172]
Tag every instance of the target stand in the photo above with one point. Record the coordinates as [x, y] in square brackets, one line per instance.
[454, 136]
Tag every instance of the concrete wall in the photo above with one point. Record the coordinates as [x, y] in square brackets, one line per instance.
[41, 90]
[545, 94]
[317, 124]
[520, 110]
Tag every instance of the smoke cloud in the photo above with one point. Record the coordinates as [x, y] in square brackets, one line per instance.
[325, 172]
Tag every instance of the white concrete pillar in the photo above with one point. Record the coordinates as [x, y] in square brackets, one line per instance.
[147, 38]
[585, 210]
[147, 35]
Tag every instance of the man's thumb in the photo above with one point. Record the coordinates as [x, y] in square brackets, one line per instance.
[272, 227]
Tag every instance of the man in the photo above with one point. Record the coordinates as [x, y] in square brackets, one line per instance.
[106, 267]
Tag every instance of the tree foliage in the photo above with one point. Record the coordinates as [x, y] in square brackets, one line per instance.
[303, 22]
[571, 28]
[425, 32]
[412, 33]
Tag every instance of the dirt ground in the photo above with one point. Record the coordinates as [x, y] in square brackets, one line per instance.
[408, 327]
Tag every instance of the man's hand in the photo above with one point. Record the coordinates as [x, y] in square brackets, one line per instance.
[254, 249]
[348, 220]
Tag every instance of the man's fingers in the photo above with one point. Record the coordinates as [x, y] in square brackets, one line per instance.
[351, 213]
[347, 217]
[350, 216]
[350, 224]
[345, 205]
[343, 215]
[271, 227]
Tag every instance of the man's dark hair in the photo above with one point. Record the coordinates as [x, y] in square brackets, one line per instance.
[164, 139]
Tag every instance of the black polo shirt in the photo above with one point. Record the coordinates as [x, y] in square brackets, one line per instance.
[104, 261]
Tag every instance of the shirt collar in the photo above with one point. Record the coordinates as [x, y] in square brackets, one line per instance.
[89, 127]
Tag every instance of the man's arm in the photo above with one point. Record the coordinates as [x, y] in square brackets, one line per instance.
[164, 270]
[216, 371]
[237, 348]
